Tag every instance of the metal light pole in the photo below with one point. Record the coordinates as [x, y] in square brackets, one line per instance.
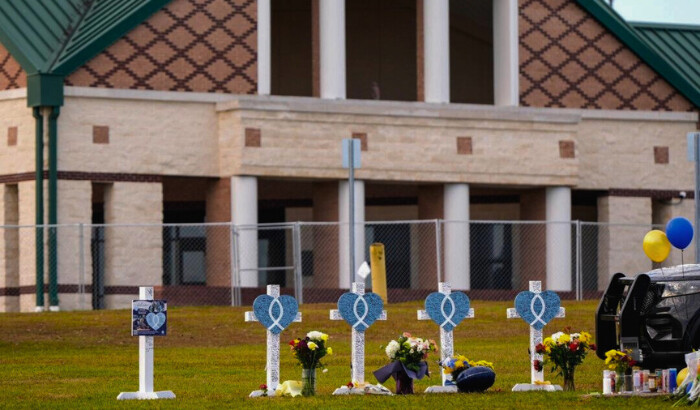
[351, 160]
[693, 155]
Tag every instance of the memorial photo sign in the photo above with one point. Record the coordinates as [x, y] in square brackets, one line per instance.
[149, 317]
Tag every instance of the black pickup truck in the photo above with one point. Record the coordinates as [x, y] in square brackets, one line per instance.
[656, 314]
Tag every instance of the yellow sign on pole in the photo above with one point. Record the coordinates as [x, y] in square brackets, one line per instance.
[378, 264]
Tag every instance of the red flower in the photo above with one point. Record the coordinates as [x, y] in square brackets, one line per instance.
[537, 365]
[350, 385]
[302, 344]
[593, 346]
[573, 347]
[263, 386]
[539, 348]
[292, 343]
[633, 362]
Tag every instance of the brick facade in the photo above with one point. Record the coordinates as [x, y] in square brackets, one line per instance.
[569, 60]
[11, 74]
[189, 45]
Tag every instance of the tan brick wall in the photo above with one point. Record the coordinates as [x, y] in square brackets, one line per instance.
[133, 255]
[620, 246]
[74, 207]
[569, 60]
[189, 45]
[146, 137]
[17, 158]
[422, 149]
[615, 154]
[27, 252]
[9, 245]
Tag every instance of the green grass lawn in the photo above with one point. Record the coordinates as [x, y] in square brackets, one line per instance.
[212, 358]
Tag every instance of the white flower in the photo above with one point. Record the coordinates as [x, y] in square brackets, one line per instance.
[575, 336]
[392, 348]
[420, 347]
[556, 336]
[412, 351]
[315, 335]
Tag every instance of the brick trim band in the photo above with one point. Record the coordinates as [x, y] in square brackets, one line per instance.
[650, 193]
[92, 176]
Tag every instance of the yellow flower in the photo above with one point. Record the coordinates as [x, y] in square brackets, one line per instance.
[563, 339]
[324, 337]
[329, 350]
[312, 345]
[548, 342]
[585, 337]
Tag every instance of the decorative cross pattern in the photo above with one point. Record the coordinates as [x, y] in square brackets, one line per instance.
[446, 324]
[569, 60]
[358, 332]
[11, 73]
[189, 45]
[535, 334]
[274, 321]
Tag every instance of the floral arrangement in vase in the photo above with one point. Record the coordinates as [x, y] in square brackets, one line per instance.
[407, 355]
[564, 351]
[621, 362]
[309, 351]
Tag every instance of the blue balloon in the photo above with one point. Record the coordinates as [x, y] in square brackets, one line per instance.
[679, 232]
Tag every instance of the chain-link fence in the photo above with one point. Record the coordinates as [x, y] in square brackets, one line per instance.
[102, 266]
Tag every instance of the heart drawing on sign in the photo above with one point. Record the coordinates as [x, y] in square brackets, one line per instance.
[537, 309]
[360, 311]
[275, 313]
[155, 320]
[447, 310]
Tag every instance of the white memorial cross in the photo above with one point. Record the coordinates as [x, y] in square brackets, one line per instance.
[358, 340]
[146, 364]
[273, 348]
[446, 339]
[535, 339]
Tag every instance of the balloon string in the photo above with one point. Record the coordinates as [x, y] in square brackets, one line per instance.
[683, 276]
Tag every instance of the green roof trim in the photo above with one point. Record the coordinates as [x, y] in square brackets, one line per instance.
[670, 55]
[53, 38]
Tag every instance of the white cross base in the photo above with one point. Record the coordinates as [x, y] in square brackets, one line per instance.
[146, 364]
[273, 349]
[446, 344]
[535, 339]
[358, 347]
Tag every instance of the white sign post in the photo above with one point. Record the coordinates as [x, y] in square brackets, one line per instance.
[358, 346]
[146, 364]
[273, 349]
[446, 343]
[536, 377]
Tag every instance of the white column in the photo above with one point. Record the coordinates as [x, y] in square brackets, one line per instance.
[344, 239]
[558, 215]
[456, 242]
[332, 48]
[264, 47]
[244, 211]
[436, 40]
[505, 52]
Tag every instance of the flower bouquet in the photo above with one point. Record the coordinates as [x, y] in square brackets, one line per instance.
[469, 375]
[621, 362]
[309, 352]
[407, 355]
[564, 351]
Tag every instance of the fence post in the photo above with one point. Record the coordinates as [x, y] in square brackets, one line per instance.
[235, 282]
[579, 274]
[296, 246]
[81, 281]
[438, 249]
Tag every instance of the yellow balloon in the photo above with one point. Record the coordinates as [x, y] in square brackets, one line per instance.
[656, 245]
[681, 376]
